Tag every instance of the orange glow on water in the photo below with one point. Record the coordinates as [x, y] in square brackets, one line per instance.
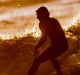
[73, 21]
[19, 18]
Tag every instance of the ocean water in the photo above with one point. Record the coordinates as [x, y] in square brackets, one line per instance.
[19, 19]
[17, 55]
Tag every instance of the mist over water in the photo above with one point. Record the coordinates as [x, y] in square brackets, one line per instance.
[20, 20]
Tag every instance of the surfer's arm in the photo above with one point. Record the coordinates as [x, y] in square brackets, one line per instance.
[43, 38]
[40, 43]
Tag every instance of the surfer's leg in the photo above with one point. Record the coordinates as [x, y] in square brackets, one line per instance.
[56, 65]
[42, 58]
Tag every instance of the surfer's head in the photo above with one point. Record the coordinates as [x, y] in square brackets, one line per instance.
[42, 13]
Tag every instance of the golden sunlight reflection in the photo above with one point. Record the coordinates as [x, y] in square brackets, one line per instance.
[4, 37]
[72, 21]
[34, 31]
[4, 0]
[21, 21]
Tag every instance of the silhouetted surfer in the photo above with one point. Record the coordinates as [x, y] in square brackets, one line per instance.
[49, 27]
